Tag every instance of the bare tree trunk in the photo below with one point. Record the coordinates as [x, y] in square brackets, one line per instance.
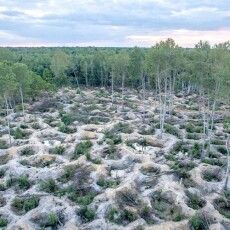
[204, 130]
[143, 86]
[122, 85]
[86, 75]
[22, 101]
[8, 120]
[226, 187]
[112, 87]
[163, 109]
[75, 75]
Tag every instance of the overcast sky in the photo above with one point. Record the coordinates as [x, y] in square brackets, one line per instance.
[112, 22]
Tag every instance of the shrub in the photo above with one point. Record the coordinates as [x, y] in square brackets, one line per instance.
[65, 129]
[194, 201]
[2, 173]
[19, 133]
[211, 176]
[212, 161]
[198, 222]
[3, 222]
[58, 150]
[67, 119]
[127, 197]
[3, 144]
[190, 128]
[146, 214]
[106, 183]
[23, 205]
[82, 148]
[36, 126]
[196, 150]
[193, 136]
[23, 182]
[128, 215]
[222, 204]
[122, 127]
[218, 142]
[222, 150]
[24, 126]
[49, 185]
[69, 172]
[113, 215]
[82, 199]
[115, 138]
[147, 131]
[86, 214]
[27, 151]
[172, 130]
[52, 220]
[164, 208]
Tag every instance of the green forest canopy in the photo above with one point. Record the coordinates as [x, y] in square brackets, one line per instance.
[32, 70]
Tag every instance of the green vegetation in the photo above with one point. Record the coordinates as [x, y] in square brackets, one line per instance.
[3, 222]
[198, 222]
[211, 176]
[49, 185]
[24, 205]
[106, 183]
[83, 148]
[194, 201]
[86, 214]
[3, 144]
[58, 150]
[222, 204]
[27, 151]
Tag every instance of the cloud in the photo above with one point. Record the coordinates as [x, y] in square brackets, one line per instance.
[115, 22]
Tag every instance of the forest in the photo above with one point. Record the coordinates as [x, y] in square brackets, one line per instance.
[115, 138]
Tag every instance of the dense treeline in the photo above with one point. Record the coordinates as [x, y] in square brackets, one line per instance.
[139, 68]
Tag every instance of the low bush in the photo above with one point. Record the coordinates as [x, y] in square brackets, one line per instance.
[68, 174]
[222, 150]
[19, 133]
[27, 151]
[82, 148]
[194, 201]
[66, 129]
[3, 222]
[24, 205]
[147, 131]
[121, 217]
[211, 176]
[122, 128]
[193, 136]
[67, 119]
[3, 144]
[115, 138]
[172, 130]
[36, 125]
[86, 214]
[49, 185]
[22, 182]
[164, 208]
[58, 150]
[198, 222]
[190, 128]
[195, 151]
[106, 183]
[222, 204]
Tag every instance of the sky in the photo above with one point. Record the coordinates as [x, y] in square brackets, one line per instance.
[120, 23]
